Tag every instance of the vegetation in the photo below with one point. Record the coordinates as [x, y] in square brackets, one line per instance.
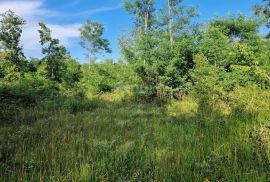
[91, 39]
[187, 101]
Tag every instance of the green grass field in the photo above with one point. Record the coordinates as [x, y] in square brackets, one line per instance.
[115, 140]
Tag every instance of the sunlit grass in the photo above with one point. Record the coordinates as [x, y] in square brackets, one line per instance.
[128, 141]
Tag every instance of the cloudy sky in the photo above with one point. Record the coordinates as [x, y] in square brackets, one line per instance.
[65, 17]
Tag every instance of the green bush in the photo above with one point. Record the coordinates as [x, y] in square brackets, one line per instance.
[107, 76]
[26, 91]
[251, 100]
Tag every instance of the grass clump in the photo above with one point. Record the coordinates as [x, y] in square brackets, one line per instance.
[77, 104]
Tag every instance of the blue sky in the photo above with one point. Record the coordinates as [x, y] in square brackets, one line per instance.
[65, 17]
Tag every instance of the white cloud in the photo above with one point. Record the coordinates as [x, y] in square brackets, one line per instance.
[27, 9]
[100, 10]
[30, 36]
[65, 32]
[33, 12]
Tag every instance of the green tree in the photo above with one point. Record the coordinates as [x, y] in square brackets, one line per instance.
[232, 44]
[107, 76]
[10, 34]
[143, 11]
[208, 87]
[162, 68]
[264, 10]
[237, 27]
[215, 46]
[72, 73]
[55, 54]
[91, 39]
[177, 18]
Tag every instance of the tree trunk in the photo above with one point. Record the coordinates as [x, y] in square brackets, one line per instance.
[170, 22]
[146, 22]
[52, 72]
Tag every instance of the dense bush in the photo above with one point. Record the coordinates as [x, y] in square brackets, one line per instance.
[26, 91]
[251, 100]
[107, 76]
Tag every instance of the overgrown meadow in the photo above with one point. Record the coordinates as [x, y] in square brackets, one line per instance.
[187, 101]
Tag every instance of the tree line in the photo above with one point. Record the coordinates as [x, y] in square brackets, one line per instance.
[173, 54]
[168, 54]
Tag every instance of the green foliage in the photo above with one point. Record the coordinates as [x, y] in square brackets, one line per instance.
[26, 91]
[264, 11]
[164, 68]
[160, 65]
[107, 76]
[176, 18]
[72, 73]
[208, 85]
[234, 48]
[143, 10]
[55, 54]
[8, 70]
[237, 27]
[214, 45]
[59, 66]
[252, 100]
[91, 39]
[10, 34]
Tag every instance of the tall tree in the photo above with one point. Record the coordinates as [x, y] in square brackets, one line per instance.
[237, 27]
[176, 17]
[10, 34]
[170, 18]
[54, 53]
[263, 10]
[143, 11]
[91, 39]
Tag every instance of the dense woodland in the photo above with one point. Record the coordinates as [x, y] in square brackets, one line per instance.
[187, 101]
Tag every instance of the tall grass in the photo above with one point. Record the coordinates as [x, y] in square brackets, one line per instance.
[113, 140]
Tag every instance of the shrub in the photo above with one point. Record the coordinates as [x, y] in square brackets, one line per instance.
[24, 92]
[103, 87]
[250, 100]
